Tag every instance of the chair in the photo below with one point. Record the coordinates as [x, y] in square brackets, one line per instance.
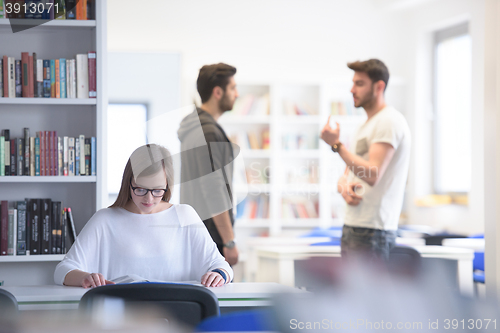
[183, 303]
[8, 303]
[478, 267]
[405, 260]
[332, 232]
[242, 321]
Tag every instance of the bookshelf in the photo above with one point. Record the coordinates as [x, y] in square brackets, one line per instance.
[69, 117]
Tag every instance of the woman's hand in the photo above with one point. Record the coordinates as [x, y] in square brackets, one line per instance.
[94, 280]
[212, 279]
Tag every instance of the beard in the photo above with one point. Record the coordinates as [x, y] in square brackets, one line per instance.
[225, 104]
[366, 100]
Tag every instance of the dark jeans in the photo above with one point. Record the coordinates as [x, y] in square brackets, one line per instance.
[370, 243]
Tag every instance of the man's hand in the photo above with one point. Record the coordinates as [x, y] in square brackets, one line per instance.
[212, 279]
[348, 191]
[329, 135]
[94, 280]
[231, 255]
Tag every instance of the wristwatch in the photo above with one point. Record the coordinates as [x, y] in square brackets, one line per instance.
[231, 244]
[336, 147]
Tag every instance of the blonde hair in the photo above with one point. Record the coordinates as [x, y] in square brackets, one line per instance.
[144, 161]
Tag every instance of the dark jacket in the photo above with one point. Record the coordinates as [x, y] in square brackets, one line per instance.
[206, 168]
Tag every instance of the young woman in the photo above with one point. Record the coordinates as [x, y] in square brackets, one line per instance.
[143, 234]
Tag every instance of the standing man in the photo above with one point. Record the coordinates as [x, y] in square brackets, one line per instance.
[374, 180]
[207, 156]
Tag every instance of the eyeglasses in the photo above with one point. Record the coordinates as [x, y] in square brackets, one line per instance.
[140, 192]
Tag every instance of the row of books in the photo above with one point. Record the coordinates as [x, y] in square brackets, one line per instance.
[294, 141]
[339, 108]
[48, 78]
[251, 105]
[46, 154]
[253, 207]
[251, 139]
[298, 109]
[48, 9]
[35, 226]
[297, 208]
[257, 173]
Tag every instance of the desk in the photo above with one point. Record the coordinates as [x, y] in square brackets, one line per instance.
[276, 263]
[52, 297]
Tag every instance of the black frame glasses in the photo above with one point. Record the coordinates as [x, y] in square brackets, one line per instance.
[163, 190]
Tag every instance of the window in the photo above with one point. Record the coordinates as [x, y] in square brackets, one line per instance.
[126, 132]
[452, 110]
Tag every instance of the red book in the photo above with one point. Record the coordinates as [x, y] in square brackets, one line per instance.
[31, 85]
[47, 153]
[51, 154]
[24, 75]
[5, 76]
[92, 75]
[55, 153]
[4, 227]
[81, 10]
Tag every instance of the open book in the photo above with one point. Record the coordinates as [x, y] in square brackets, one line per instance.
[133, 278]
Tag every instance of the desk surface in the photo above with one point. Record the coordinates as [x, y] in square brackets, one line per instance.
[62, 297]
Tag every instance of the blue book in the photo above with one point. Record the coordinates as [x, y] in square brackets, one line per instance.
[37, 156]
[92, 156]
[46, 78]
[77, 156]
[52, 78]
[62, 77]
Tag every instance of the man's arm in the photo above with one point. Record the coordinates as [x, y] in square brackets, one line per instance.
[223, 224]
[379, 156]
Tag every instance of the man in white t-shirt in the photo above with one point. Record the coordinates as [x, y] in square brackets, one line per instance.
[374, 180]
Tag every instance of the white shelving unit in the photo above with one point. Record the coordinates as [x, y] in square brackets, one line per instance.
[69, 117]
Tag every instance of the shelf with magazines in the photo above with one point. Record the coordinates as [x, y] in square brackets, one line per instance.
[54, 117]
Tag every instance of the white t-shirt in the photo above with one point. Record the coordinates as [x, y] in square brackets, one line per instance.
[172, 245]
[382, 203]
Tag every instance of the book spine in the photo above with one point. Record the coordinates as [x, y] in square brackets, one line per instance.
[51, 153]
[26, 151]
[34, 73]
[60, 9]
[65, 156]
[46, 205]
[93, 156]
[37, 156]
[59, 219]
[24, 65]
[87, 156]
[35, 214]
[71, 156]
[58, 78]
[6, 134]
[5, 75]
[4, 227]
[53, 228]
[77, 156]
[82, 154]
[37, 15]
[19, 82]
[32, 156]
[60, 154]
[62, 72]
[82, 76]
[28, 14]
[2, 155]
[1, 76]
[20, 156]
[21, 228]
[63, 232]
[13, 157]
[12, 236]
[12, 77]
[68, 79]
[46, 147]
[52, 78]
[71, 9]
[46, 79]
[92, 74]
[31, 83]
[39, 78]
[73, 78]
[42, 153]
[55, 154]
